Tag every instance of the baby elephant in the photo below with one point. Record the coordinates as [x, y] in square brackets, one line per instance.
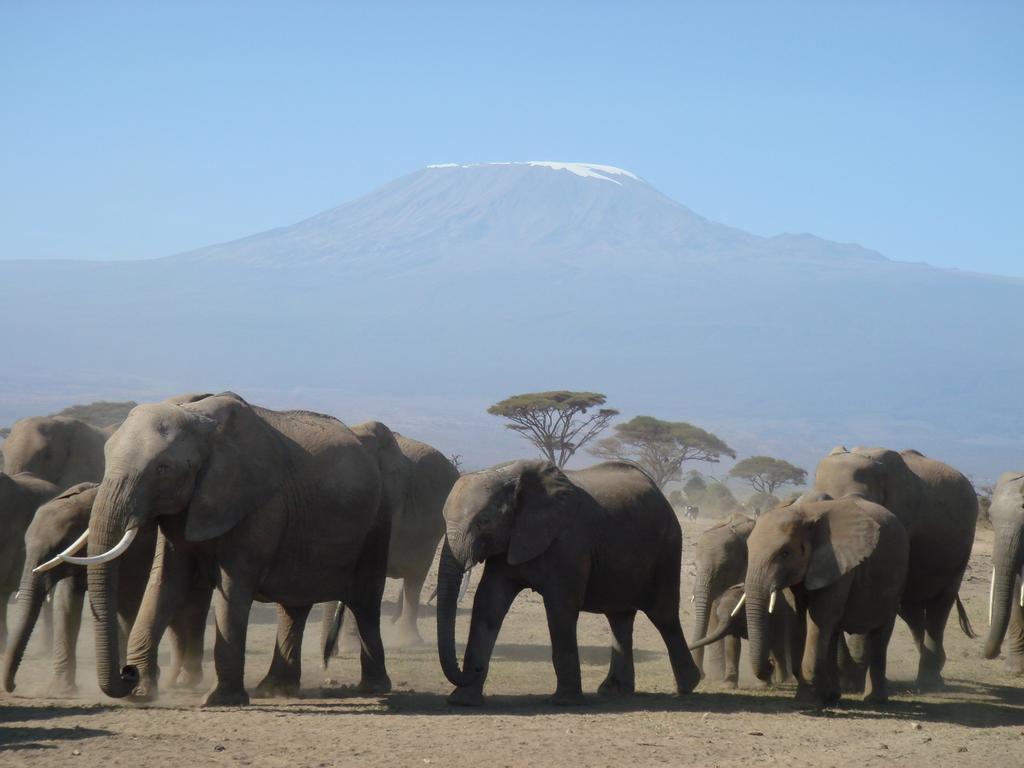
[601, 540]
[846, 562]
[785, 641]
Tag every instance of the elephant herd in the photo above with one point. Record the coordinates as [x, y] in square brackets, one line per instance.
[207, 500]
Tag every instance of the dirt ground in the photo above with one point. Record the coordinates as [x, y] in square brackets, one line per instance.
[980, 717]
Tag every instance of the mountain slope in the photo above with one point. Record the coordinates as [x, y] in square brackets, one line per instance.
[459, 285]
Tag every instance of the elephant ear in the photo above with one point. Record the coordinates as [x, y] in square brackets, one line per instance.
[541, 509]
[232, 482]
[842, 538]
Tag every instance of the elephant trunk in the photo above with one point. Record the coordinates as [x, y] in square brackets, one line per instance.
[449, 579]
[1006, 560]
[758, 632]
[701, 617]
[721, 631]
[30, 603]
[106, 527]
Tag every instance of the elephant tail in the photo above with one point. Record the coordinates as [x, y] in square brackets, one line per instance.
[965, 622]
[332, 633]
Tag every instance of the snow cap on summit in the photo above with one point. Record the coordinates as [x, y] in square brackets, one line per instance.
[586, 170]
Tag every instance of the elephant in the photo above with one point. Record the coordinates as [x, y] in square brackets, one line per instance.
[20, 495]
[846, 563]
[276, 506]
[56, 449]
[939, 509]
[61, 449]
[1006, 596]
[721, 560]
[416, 480]
[602, 540]
[55, 525]
[786, 631]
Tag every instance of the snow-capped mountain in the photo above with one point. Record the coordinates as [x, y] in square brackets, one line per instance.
[426, 300]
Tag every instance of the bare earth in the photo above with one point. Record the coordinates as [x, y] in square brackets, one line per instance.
[980, 717]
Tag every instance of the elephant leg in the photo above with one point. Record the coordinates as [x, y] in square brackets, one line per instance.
[188, 632]
[1015, 634]
[399, 604]
[232, 602]
[168, 584]
[731, 655]
[409, 600]
[373, 669]
[326, 626]
[285, 673]
[621, 679]
[853, 656]
[493, 598]
[47, 615]
[562, 618]
[5, 598]
[878, 648]
[933, 655]
[819, 659]
[666, 621]
[68, 599]
[713, 665]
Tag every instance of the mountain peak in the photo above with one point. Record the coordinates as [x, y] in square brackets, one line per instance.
[586, 170]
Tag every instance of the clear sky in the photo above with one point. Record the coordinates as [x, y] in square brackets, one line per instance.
[143, 129]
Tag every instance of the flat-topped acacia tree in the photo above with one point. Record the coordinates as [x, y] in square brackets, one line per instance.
[765, 473]
[661, 447]
[558, 423]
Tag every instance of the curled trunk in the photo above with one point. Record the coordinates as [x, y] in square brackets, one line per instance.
[449, 579]
[758, 633]
[30, 603]
[1006, 562]
[106, 529]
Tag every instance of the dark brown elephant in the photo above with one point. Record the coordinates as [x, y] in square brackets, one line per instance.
[275, 506]
[1006, 597]
[601, 540]
[938, 507]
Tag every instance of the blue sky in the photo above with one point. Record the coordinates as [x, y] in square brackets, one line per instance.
[143, 129]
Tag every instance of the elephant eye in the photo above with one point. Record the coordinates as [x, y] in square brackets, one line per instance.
[784, 554]
[163, 469]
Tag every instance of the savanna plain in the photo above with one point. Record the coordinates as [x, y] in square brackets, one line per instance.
[978, 719]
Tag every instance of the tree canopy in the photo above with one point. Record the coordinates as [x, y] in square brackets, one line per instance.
[765, 473]
[557, 423]
[661, 447]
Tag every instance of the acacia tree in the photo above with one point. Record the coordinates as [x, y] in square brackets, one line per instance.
[557, 423]
[661, 447]
[765, 473]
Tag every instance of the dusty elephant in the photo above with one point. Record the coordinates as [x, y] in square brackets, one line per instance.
[1006, 596]
[721, 562]
[55, 449]
[415, 481]
[938, 508]
[601, 540]
[785, 635]
[846, 563]
[54, 529]
[20, 497]
[277, 506]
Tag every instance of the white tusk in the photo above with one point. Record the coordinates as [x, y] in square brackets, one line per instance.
[991, 595]
[76, 545]
[1022, 595]
[17, 595]
[106, 557]
[692, 597]
[743, 599]
[771, 603]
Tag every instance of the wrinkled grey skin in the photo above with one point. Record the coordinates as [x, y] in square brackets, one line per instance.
[1007, 516]
[846, 563]
[54, 526]
[786, 628]
[416, 480]
[721, 562]
[601, 540]
[274, 506]
[55, 449]
[939, 509]
[20, 496]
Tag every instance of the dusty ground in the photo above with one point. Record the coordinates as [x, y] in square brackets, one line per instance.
[980, 716]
